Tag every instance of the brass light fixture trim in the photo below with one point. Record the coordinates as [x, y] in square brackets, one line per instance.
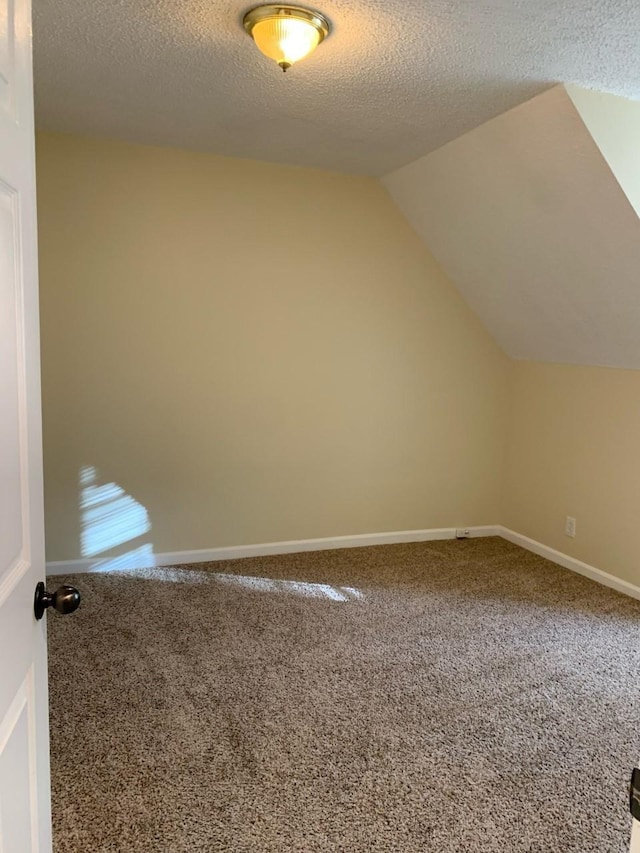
[286, 33]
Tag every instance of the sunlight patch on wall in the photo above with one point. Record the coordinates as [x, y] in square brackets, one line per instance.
[109, 515]
[113, 523]
[109, 519]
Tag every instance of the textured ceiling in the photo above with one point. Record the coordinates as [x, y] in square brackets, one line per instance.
[395, 80]
[527, 219]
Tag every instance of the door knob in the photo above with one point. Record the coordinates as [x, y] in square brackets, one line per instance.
[65, 599]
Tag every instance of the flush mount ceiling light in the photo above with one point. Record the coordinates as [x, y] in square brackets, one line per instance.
[286, 34]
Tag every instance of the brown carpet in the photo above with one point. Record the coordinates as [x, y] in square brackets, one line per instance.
[448, 696]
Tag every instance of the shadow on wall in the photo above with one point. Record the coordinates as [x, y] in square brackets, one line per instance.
[111, 521]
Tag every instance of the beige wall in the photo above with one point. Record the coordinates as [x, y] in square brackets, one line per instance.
[574, 450]
[253, 353]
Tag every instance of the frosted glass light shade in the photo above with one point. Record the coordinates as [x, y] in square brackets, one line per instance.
[285, 40]
[286, 34]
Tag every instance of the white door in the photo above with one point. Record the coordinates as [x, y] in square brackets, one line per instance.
[24, 741]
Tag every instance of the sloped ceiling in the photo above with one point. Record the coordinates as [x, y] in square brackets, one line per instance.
[528, 220]
[614, 124]
[395, 79]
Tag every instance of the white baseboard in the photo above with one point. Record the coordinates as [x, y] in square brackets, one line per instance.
[235, 552]
[569, 562]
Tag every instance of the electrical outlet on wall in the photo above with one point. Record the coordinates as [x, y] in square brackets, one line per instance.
[570, 526]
